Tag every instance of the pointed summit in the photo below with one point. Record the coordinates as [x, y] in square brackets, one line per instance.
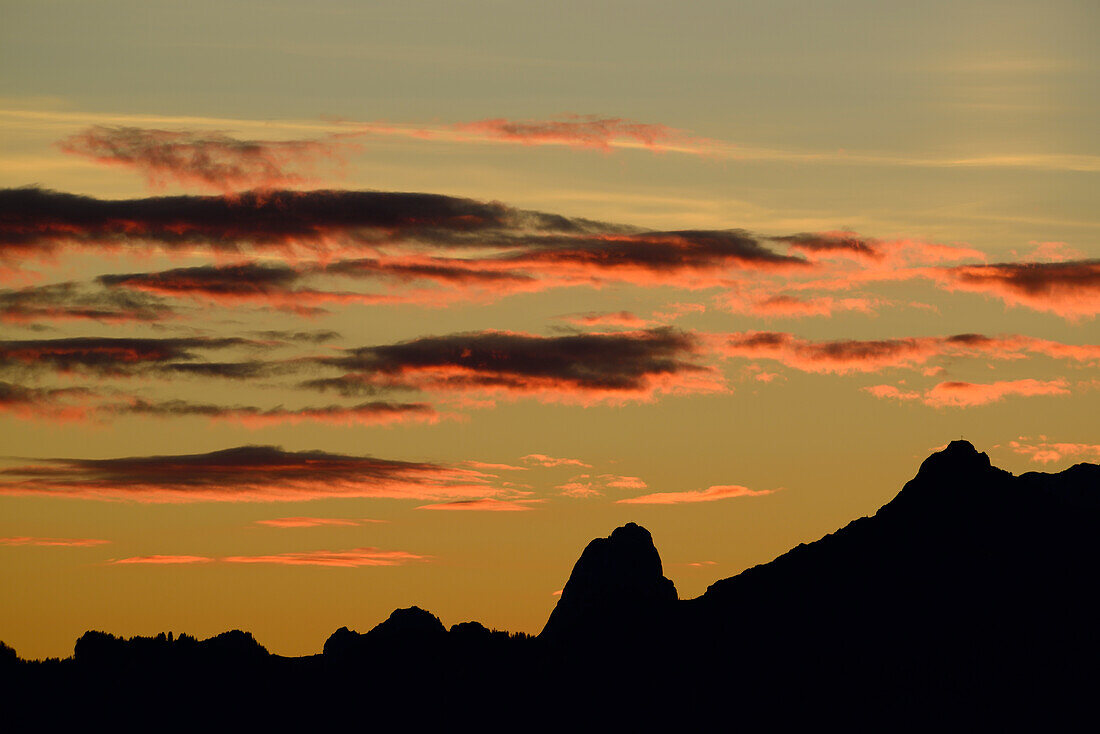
[958, 456]
[617, 587]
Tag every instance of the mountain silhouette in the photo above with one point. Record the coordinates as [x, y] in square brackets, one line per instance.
[616, 591]
[967, 598]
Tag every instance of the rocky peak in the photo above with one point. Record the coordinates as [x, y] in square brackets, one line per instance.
[617, 583]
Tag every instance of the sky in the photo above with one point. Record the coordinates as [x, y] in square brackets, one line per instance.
[311, 312]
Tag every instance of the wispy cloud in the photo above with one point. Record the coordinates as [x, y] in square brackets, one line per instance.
[208, 160]
[161, 560]
[314, 522]
[874, 355]
[353, 558]
[1045, 452]
[968, 394]
[66, 542]
[487, 504]
[552, 462]
[710, 494]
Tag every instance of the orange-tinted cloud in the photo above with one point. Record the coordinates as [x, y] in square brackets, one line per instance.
[211, 161]
[876, 254]
[37, 221]
[1046, 452]
[580, 487]
[374, 413]
[265, 284]
[161, 560]
[598, 318]
[620, 482]
[334, 559]
[580, 131]
[107, 355]
[45, 403]
[873, 355]
[968, 394]
[313, 522]
[787, 306]
[67, 542]
[248, 473]
[69, 301]
[1069, 289]
[552, 462]
[710, 494]
[486, 504]
[576, 368]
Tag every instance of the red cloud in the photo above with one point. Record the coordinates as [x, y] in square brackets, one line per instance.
[336, 559]
[69, 542]
[211, 161]
[248, 473]
[968, 394]
[710, 494]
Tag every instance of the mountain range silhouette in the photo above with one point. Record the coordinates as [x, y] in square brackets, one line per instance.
[969, 598]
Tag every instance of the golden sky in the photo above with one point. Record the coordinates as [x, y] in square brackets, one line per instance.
[310, 313]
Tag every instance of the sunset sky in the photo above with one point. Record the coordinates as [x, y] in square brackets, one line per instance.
[310, 312]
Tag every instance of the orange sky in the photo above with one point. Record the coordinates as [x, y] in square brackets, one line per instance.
[307, 316]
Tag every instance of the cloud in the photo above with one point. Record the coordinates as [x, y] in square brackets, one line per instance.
[487, 504]
[1069, 289]
[69, 301]
[874, 355]
[46, 403]
[212, 161]
[552, 462]
[107, 355]
[710, 494]
[334, 559]
[269, 284]
[875, 253]
[968, 394]
[370, 414]
[581, 131]
[37, 221]
[580, 487]
[161, 560]
[619, 482]
[600, 318]
[577, 368]
[247, 473]
[318, 336]
[313, 522]
[834, 244]
[68, 542]
[787, 306]
[1046, 452]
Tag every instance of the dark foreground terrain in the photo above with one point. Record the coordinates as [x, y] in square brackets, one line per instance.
[969, 599]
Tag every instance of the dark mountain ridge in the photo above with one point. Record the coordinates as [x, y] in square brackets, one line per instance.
[970, 591]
